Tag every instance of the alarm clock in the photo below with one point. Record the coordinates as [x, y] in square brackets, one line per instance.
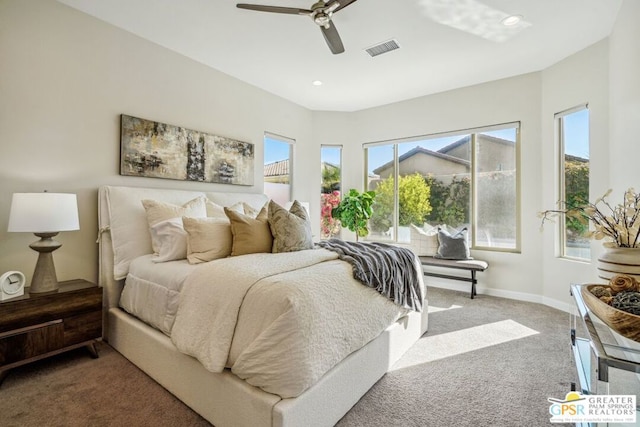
[11, 285]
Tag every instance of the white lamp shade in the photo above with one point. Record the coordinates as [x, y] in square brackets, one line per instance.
[43, 212]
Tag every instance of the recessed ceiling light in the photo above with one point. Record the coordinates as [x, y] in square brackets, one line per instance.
[511, 20]
[316, 83]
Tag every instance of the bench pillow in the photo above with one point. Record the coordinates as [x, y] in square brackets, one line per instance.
[423, 243]
[452, 246]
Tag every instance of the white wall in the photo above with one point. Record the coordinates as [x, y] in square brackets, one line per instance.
[580, 78]
[66, 78]
[624, 84]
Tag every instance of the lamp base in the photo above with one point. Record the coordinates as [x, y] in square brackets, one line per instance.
[44, 276]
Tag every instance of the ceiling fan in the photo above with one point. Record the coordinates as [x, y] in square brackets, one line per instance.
[320, 13]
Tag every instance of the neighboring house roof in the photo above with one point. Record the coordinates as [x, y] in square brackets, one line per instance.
[421, 150]
[279, 168]
[455, 144]
[467, 139]
[443, 152]
[327, 165]
[570, 158]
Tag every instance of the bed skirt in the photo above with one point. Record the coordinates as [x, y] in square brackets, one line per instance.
[226, 400]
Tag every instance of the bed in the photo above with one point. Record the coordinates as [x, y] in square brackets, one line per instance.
[224, 398]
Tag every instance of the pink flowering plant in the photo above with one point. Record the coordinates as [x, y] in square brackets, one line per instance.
[329, 226]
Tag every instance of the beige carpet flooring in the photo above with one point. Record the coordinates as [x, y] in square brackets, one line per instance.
[484, 362]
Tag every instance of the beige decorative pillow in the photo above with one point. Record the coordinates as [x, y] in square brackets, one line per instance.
[291, 229]
[160, 211]
[250, 235]
[214, 210]
[250, 210]
[207, 238]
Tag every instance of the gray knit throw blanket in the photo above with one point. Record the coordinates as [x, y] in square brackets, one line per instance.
[388, 269]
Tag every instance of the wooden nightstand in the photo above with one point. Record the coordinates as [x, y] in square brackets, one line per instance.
[36, 326]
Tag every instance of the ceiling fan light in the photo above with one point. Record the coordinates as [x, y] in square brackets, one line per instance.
[321, 19]
[316, 83]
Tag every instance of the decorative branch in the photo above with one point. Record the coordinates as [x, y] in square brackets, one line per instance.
[619, 224]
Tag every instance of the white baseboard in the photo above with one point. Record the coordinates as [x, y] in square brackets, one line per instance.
[519, 296]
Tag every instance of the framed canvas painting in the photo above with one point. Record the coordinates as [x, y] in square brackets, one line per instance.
[158, 150]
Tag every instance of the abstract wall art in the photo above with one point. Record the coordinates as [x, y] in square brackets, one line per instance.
[158, 150]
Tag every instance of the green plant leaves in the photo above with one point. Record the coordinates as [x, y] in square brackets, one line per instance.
[354, 211]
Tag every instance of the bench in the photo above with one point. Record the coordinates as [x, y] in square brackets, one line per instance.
[471, 265]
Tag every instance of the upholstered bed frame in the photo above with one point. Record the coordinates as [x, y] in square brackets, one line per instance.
[224, 399]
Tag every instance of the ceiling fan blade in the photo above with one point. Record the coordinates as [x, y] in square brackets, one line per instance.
[274, 9]
[343, 4]
[332, 38]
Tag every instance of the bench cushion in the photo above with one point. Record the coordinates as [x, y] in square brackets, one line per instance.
[467, 264]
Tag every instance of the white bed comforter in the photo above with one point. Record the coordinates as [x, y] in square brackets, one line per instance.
[279, 321]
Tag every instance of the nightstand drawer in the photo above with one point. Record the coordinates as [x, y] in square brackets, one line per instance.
[30, 342]
[83, 327]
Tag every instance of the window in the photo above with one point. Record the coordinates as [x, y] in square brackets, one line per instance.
[459, 179]
[573, 136]
[381, 175]
[331, 187]
[278, 155]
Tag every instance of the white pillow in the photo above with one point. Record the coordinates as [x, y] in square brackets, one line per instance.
[424, 243]
[159, 211]
[171, 240]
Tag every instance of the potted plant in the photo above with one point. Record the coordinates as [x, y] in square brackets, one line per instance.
[354, 211]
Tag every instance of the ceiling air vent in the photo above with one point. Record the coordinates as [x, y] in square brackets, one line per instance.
[383, 47]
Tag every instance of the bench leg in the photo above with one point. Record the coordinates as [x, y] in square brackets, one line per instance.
[473, 283]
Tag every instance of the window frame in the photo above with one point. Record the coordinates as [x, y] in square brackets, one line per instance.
[340, 147]
[561, 181]
[517, 125]
[285, 140]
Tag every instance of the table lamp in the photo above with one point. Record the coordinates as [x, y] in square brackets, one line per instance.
[44, 214]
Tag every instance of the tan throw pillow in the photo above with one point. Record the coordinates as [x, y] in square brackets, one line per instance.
[250, 235]
[160, 211]
[291, 229]
[207, 238]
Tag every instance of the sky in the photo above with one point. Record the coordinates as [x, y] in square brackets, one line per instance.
[576, 144]
[275, 150]
[577, 133]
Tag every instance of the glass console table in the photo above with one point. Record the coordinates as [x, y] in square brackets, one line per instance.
[607, 363]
